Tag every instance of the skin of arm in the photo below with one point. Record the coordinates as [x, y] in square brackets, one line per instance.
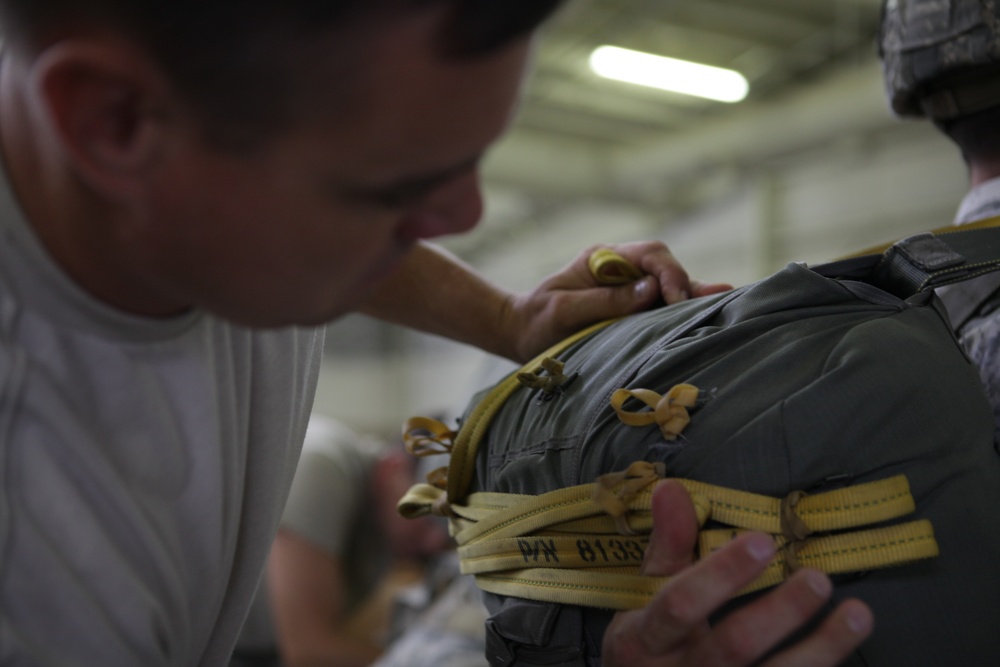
[307, 590]
[673, 630]
[435, 292]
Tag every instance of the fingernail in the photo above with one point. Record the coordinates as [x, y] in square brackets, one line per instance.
[641, 288]
[858, 621]
[819, 582]
[760, 548]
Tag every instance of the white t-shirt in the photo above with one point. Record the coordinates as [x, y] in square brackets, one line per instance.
[143, 468]
[329, 507]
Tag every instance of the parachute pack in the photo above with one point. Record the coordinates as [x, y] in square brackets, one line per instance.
[829, 406]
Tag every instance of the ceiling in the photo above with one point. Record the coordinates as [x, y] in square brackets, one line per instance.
[579, 134]
[813, 76]
[775, 44]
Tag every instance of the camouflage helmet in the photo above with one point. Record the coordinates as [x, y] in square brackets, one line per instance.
[941, 57]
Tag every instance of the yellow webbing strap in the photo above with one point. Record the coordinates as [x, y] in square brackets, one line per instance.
[617, 589]
[562, 546]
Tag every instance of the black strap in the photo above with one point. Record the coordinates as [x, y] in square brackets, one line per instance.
[965, 300]
[926, 261]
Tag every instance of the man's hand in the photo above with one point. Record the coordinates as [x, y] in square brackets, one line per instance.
[572, 299]
[434, 292]
[673, 629]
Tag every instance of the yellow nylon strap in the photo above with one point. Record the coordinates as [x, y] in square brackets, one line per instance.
[561, 546]
[859, 505]
[856, 551]
[605, 590]
[602, 569]
[832, 510]
[851, 506]
[864, 550]
[562, 551]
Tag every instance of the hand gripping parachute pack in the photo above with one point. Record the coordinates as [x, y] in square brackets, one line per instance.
[830, 407]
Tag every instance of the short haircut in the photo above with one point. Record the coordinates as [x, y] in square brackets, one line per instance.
[233, 58]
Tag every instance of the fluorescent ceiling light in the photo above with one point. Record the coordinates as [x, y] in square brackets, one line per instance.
[679, 76]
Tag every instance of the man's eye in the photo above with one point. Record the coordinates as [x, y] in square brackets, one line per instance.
[396, 198]
[401, 196]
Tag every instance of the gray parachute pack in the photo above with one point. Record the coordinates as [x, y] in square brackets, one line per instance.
[829, 406]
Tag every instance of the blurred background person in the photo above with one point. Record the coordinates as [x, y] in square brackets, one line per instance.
[341, 556]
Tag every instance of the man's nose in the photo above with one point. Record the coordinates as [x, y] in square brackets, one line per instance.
[453, 208]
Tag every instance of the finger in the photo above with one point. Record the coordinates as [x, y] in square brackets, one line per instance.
[675, 286]
[655, 258]
[601, 303]
[675, 531]
[687, 600]
[748, 634]
[842, 632]
[698, 288]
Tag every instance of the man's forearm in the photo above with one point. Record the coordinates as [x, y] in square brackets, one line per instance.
[435, 292]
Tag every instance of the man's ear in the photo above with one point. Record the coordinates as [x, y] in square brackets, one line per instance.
[107, 105]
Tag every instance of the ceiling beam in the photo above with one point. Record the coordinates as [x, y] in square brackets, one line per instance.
[846, 102]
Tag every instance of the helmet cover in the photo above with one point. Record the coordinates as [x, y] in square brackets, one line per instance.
[940, 56]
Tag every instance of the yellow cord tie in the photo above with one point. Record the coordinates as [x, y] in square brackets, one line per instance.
[613, 491]
[537, 378]
[794, 530]
[669, 410]
[610, 268]
[423, 436]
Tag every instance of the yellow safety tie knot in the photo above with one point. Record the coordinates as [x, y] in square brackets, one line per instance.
[669, 411]
[610, 268]
[438, 477]
[550, 383]
[794, 529]
[424, 436]
[441, 507]
[613, 491]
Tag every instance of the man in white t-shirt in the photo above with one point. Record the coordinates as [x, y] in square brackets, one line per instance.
[193, 187]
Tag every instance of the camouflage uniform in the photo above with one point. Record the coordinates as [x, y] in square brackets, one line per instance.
[979, 332]
[941, 59]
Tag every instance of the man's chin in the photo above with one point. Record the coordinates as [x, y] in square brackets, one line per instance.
[328, 309]
[392, 264]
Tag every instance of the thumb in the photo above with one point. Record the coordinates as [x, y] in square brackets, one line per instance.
[675, 531]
